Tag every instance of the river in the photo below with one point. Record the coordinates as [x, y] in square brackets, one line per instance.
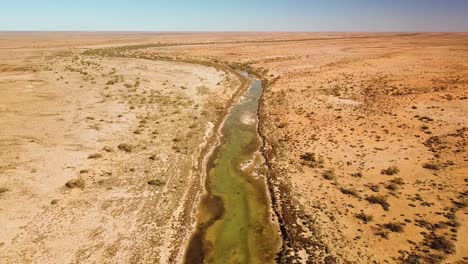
[234, 222]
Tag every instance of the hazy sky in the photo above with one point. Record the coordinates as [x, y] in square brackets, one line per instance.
[235, 15]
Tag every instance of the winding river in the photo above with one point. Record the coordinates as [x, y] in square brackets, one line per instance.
[234, 223]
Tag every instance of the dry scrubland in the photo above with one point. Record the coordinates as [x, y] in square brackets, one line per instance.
[100, 156]
[365, 138]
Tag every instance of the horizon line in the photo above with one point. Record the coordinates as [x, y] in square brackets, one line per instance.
[225, 31]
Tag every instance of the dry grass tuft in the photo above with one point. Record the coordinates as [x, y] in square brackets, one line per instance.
[95, 156]
[125, 147]
[329, 175]
[156, 182]
[75, 183]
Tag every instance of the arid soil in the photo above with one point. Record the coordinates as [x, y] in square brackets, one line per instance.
[99, 156]
[365, 140]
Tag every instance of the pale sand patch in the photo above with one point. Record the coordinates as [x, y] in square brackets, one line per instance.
[56, 117]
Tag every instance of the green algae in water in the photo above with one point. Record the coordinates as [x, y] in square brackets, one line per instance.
[234, 223]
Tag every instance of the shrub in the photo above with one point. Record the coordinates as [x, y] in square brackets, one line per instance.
[442, 244]
[112, 82]
[3, 190]
[364, 217]
[425, 224]
[398, 181]
[392, 187]
[394, 227]
[125, 147]
[373, 199]
[357, 174]
[310, 160]
[431, 166]
[349, 191]
[156, 182]
[412, 259]
[329, 175]
[392, 170]
[374, 187]
[95, 156]
[107, 149]
[75, 183]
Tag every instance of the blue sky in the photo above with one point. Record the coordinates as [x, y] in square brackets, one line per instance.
[236, 15]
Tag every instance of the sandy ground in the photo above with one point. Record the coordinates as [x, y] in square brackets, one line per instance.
[340, 110]
[366, 143]
[98, 155]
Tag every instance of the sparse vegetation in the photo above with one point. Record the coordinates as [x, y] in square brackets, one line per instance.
[440, 243]
[398, 181]
[412, 259]
[156, 182]
[392, 170]
[431, 166]
[349, 191]
[356, 114]
[329, 175]
[95, 156]
[311, 160]
[107, 149]
[75, 183]
[357, 174]
[394, 227]
[365, 218]
[373, 199]
[392, 187]
[374, 187]
[125, 147]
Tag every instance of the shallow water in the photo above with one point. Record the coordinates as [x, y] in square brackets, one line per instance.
[234, 223]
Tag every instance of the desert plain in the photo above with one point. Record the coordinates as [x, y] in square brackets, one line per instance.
[103, 138]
